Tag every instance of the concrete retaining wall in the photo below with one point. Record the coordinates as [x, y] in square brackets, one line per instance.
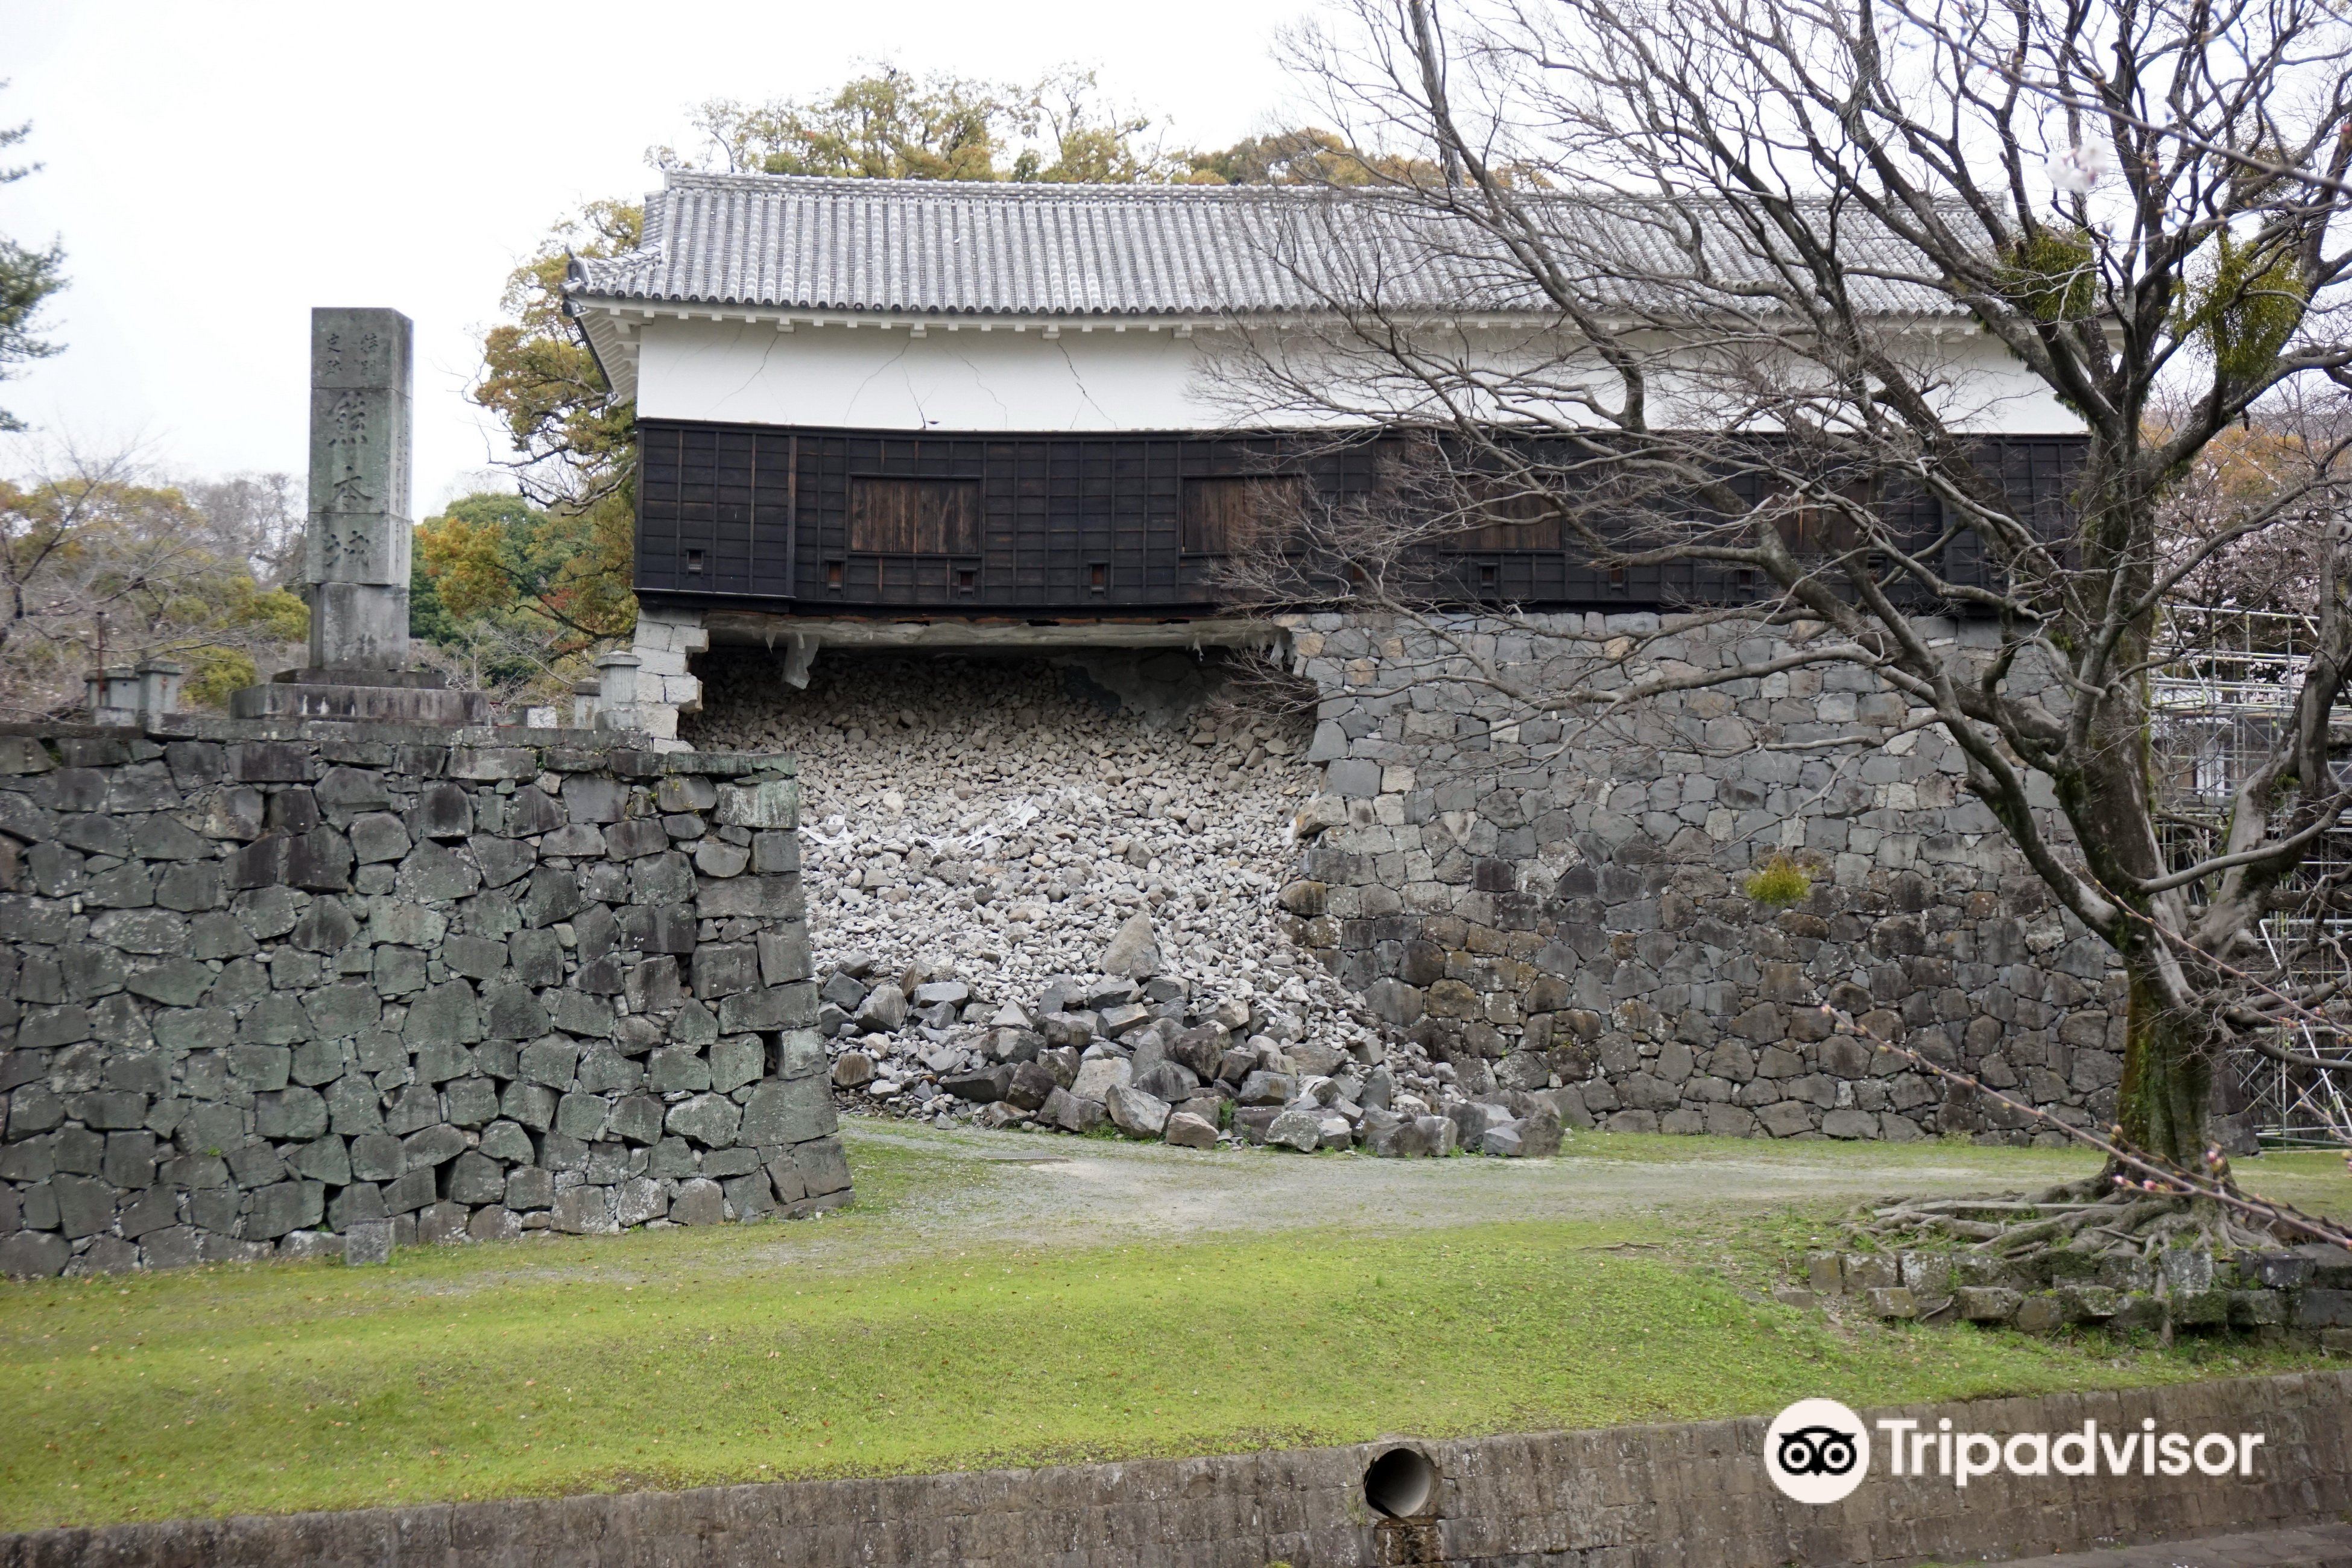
[264, 982]
[1557, 905]
[1666, 1495]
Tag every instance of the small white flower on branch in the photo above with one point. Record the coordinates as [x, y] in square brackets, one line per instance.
[2078, 170]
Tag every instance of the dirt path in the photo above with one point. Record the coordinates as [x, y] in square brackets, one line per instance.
[923, 1192]
[1006, 1187]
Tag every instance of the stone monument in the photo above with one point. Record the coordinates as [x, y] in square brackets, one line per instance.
[355, 555]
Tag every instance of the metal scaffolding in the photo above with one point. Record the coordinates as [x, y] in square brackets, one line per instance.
[2221, 699]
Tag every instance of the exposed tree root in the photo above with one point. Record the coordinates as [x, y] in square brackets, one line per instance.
[2091, 1221]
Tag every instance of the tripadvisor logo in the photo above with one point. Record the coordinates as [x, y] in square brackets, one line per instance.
[1818, 1451]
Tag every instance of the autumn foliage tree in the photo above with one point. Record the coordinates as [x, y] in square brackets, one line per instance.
[512, 592]
[101, 564]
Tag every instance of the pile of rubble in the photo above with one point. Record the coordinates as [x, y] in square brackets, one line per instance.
[1148, 1055]
[1004, 817]
[1011, 875]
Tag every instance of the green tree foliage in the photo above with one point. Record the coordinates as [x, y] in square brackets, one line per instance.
[1304, 156]
[517, 589]
[27, 278]
[2245, 306]
[572, 446]
[2053, 275]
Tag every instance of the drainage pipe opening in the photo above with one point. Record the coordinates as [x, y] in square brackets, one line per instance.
[1401, 1483]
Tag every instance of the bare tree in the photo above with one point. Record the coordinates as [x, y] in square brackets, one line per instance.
[1763, 277]
[254, 516]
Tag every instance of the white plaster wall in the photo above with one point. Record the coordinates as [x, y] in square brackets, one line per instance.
[886, 378]
[874, 378]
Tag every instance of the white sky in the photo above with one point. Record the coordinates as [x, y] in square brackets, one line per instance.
[216, 170]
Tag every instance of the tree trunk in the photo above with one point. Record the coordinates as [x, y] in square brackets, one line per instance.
[2167, 1074]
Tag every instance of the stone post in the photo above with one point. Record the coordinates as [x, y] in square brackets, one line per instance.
[584, 694]
[616, 695]
[112, 694]
[159, 686]
[356, 554]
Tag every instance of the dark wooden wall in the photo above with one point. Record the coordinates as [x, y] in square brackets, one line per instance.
[1115, 524]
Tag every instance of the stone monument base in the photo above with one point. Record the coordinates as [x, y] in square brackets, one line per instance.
[368, 696]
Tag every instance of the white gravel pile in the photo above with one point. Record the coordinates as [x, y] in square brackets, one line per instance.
[991, 819]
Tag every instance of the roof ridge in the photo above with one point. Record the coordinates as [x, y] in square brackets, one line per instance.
[865, 184]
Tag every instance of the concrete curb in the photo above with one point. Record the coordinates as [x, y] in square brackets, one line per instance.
[1664, 1494]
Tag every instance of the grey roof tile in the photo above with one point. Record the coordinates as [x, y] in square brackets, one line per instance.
[977, 250]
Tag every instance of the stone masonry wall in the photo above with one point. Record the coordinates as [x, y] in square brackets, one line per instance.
[1557, 906]
[263, 981]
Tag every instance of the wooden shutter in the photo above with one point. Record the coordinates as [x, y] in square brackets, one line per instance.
[1222, 514]
[914, 517]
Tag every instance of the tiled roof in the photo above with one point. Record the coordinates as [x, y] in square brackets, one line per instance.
[903, 246]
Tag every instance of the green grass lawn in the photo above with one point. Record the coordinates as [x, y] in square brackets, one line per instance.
[681, 1357]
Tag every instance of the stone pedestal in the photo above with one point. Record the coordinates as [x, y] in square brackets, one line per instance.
[374, 696]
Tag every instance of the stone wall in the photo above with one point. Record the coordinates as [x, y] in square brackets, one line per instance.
[263, 981]
[666, 687]
[1558, 906]
[1665, 1494]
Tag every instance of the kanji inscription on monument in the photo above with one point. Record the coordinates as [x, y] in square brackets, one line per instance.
[355, 553]
[356, 558]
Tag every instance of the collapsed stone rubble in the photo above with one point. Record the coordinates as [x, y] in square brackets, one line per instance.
[979, 837]
[1126, 1048]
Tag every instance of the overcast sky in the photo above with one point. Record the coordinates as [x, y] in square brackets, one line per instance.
[216, 170]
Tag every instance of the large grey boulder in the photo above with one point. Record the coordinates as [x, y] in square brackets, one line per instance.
[1032, 1085]
[1472, 1119]
[1070, 1113]
[883, 1011]
[984, 1086]
[1098, 1076]
[1540, 1132]
[1501, 1140]
[1135, 951]
[1064, 1028]
[1186, 1130]
[1395, 1137]
[1299, 1129]
[1170, 1080]
[1122, 1020]
[1440, 1132]
[1263, 1088]
[1136, 1113]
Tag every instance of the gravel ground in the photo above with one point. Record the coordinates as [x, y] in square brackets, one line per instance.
[985, 1188]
